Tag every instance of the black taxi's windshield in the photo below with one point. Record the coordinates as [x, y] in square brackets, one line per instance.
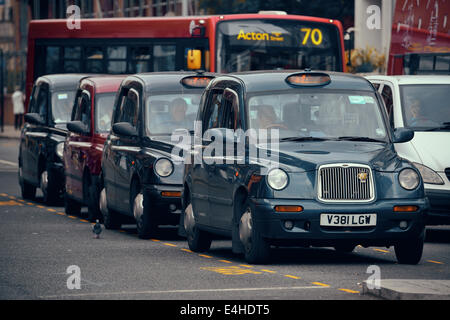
[426, 106]
[268, 44]
[104, 103]
[167, 113]
[345, 115]
[62, 103]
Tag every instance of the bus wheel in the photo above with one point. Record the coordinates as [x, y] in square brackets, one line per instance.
[257, 249]
[198, 240]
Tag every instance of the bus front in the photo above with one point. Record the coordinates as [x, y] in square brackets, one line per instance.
[268, 42]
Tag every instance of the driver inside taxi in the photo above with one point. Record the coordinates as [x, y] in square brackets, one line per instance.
[267, 117]
[178, 109]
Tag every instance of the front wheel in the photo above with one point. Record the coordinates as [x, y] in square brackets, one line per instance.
[146, 225]
[48, 187]
[111, 219]
[28, 190]
[256, 248]
[93, 203]
[410, 251]
[198, 240]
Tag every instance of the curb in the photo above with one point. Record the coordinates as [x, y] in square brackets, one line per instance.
[407, 289]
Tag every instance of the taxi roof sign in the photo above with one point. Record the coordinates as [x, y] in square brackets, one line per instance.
[196, 81]
[308, 79]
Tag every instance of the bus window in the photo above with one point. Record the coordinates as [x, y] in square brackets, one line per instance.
[117, 62]
[94, 57]
[164, 57]
[140, 59]
[72, 56]
[52, 59]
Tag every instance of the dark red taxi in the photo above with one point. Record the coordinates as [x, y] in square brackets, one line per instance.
[89, 126]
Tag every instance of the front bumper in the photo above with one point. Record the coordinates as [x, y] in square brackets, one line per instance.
[308, 231]
[439, 211]
[166, 209]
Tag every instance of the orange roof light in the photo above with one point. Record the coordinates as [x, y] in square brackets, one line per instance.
[196, 81]
[308, 79]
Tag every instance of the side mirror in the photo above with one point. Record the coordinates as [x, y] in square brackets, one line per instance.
[402, 135]
[77, 127]
[124, 129]
[194, 58]
[34, 118]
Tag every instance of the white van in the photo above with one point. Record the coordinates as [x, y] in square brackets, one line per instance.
[422, 103]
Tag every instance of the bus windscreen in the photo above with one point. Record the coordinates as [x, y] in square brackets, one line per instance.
[244, 45]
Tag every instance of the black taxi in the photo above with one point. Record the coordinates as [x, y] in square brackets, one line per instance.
[141, 179]
[42, 137]
[300, 158]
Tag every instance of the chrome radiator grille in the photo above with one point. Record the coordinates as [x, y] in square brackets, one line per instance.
[345, 182]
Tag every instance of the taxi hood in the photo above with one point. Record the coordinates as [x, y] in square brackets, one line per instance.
[307, 156]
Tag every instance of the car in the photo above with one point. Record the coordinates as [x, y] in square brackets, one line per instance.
[328, 176]
[89, 126]
[142, 182]
[42, 137]
[428, 97]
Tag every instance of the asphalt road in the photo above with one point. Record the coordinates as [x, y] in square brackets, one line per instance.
[39, 243]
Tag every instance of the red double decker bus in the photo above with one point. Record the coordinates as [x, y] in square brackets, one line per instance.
[228, 43]
[420, 38]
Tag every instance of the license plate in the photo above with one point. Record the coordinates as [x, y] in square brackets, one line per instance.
[348, 220]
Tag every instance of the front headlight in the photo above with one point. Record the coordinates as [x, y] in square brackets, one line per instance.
[164, 167]
[428, 175]
[60, 150]
[277, 179]
[409, 179]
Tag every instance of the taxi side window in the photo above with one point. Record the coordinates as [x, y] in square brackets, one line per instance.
[213, 112]
[386, 93]
[83, 109]
[231, 110]
[41, 104]
[128, 109]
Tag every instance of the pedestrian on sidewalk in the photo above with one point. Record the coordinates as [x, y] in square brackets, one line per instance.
[18, 99]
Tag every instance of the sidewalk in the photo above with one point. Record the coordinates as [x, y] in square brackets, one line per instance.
[406, 289]
[10, 133]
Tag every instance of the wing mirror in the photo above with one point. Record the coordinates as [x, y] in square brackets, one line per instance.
[402, 135]
[34, 118]
[78, 127]
[124, 129]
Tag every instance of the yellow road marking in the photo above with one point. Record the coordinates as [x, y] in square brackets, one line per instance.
[51, 210]
[30, 203]
[60, 213]
[187, 250]
[381, 250]
[10, 203]
[269, 271]
[12, 197]
[71, 217]
[225, 261]
[82, 220]
[321, 284]
[292, 277]
[123, 231]
[205, 256]
[3, 194]
[246, 266]
[169, 244]
[233, 270]
[40, 207]
[155, 240]
[437, 262]
[349, 291]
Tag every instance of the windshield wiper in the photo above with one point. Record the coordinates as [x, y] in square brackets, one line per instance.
[303, 139]
[356, 138]
[444, 126]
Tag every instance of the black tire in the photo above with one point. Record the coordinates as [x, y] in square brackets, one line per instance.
[93, 199]
[71, 206]
[410, 251]
[111, 219]
[50, 193]
[146, 224]
[256, 248]
[28, 190]
[198, 240]
[345, 247]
